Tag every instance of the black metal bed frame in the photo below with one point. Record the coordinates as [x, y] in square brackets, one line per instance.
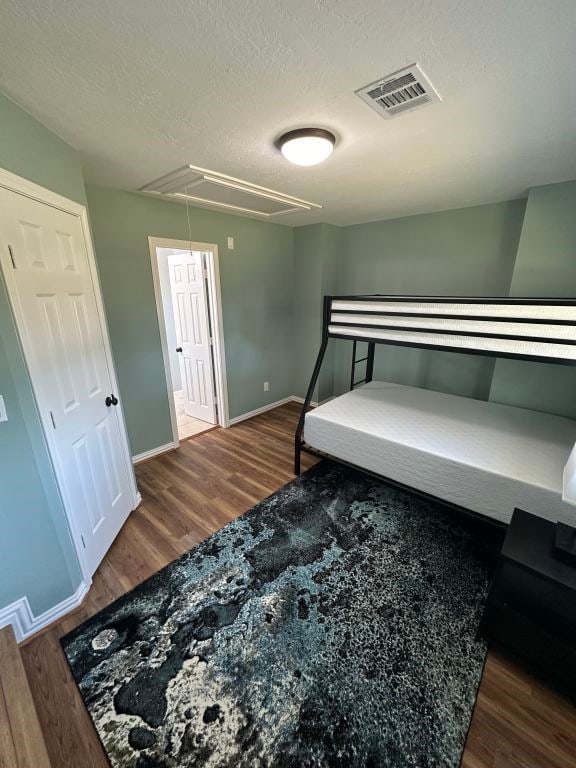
[361, 332]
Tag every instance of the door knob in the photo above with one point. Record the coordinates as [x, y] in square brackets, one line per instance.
[178, 349]
[111, 400]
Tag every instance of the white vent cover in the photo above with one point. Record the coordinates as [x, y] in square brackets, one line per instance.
[402, 91]
[215, 190]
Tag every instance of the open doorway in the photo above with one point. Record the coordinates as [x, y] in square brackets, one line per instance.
[186, 283]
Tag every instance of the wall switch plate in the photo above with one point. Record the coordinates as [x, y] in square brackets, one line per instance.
[266, 386]
[3, 414]
[230, 243]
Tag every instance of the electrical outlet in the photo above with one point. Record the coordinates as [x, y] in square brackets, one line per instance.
[3, 414]
[230, 243]
[266, 386]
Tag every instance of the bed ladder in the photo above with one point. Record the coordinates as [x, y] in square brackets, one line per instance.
[308, 399]
[369, 358]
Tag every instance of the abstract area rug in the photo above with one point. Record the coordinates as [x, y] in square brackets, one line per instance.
[333, 625]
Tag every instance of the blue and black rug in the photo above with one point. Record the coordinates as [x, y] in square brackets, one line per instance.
[333, 625]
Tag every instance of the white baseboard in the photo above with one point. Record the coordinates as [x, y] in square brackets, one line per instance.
[258, 411]
[290, 399]
[25, 624]
[313, 403]
[19, 615]
[295, 399]
[154, 452]
[236, 420]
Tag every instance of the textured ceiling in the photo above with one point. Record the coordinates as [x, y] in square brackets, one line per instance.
[143, 87]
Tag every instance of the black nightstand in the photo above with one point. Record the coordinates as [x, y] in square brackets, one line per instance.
[531, 607]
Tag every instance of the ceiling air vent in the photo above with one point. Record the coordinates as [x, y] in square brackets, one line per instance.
[402, 91]
[216, 190]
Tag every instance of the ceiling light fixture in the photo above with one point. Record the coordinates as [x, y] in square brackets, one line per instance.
[306, 146]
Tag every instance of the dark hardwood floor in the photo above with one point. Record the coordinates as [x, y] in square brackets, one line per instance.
[518, 721]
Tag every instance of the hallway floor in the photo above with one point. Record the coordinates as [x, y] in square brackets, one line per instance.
[188, 426]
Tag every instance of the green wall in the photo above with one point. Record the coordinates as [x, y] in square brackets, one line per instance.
[257, 297]
[545, 266]
[272, 287]
[517, 248]
[469, 251]
[30, 150]
[37, 558]
[317, 248]
[333, 251]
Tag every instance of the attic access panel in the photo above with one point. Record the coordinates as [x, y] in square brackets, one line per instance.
[212, 189]
[402, 91]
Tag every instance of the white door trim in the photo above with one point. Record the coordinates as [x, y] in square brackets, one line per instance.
[15, 183]
[215, 302]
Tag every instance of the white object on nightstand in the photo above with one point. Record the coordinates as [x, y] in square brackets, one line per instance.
[3, 414]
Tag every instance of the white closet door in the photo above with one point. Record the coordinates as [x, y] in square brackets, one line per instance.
[190, 301]
[55, 305]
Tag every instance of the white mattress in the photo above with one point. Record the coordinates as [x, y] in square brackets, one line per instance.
[483, 456]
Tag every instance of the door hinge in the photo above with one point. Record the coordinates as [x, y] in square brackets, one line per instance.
[83, 542]
[211, 342]
[11, 252]
[53, 419]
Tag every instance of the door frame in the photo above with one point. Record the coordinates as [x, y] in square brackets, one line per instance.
[14, 183]
[215, 312]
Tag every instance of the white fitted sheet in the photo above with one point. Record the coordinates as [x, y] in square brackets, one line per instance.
[483, 456]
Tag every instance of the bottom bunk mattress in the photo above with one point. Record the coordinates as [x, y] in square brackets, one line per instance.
[487, 457]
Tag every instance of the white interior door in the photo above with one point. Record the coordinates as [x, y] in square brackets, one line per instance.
[55, 305]
[190, 302]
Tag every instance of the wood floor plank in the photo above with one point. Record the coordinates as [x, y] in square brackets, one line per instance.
[8, 757]
[70, 736]
[21, 736]
[518, 721]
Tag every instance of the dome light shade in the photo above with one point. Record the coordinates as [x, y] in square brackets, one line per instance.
[306, 146]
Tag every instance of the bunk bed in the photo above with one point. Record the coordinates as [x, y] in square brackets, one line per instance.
[479, 457]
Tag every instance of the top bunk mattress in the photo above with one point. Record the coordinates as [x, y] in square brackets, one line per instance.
[483, 456]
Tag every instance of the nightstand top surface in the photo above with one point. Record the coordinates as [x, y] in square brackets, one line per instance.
[529, 542]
